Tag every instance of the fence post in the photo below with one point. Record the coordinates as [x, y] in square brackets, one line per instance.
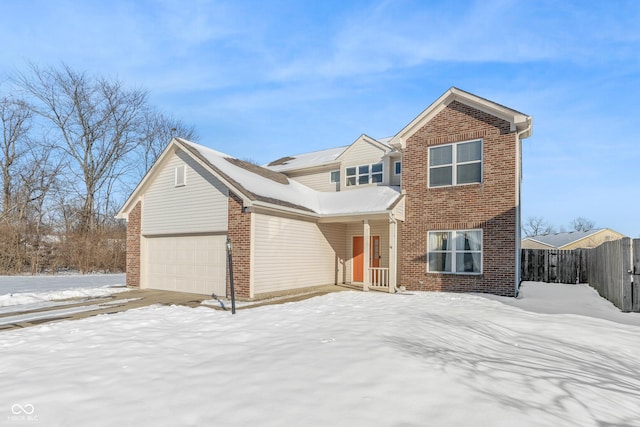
[627, 278]
[635, 267]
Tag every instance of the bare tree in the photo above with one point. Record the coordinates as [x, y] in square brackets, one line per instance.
[582, 224]
[97, 120]
[535, 226]
[15, 118]
[158, 131]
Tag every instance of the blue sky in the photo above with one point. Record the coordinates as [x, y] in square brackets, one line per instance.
[264, 79]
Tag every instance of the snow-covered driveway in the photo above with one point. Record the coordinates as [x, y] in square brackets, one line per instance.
[343, 359]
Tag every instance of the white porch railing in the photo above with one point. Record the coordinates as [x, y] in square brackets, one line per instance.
[378, 277]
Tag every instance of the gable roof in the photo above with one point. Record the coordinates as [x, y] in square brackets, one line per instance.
[307, 160]
[520, 122]
[264, 187]
[559, 240]
[366, 139]
[322, 158]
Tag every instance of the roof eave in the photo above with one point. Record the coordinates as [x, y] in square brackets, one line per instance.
[519, 122]
[307, 169]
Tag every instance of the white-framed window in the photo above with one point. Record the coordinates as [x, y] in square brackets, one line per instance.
[454, 251]
[397, 167]
[335, 176]
[455, 164]
[180, 176]
[364, 174]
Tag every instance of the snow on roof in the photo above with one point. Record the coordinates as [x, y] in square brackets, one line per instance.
[287, 192]
[557, 240]
[305, 160]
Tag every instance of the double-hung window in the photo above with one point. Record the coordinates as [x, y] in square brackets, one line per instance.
[364, 174]
[455, 251]
[455, 164]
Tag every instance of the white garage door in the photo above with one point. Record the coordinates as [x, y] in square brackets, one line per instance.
[193, 264]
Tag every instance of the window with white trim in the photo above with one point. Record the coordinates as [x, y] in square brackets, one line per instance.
[397, 167]
[455, 164]
[364, 174]
[454, 251]
[335, 176]
[180, 176]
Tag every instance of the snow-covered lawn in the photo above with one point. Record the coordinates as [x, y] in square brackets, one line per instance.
[19, 284]
[343, 359]
[28, 293]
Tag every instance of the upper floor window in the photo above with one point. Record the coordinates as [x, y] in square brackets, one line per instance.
[455, 251]
[455, 164]
[397, 167]
[335, 176]
[364, 174]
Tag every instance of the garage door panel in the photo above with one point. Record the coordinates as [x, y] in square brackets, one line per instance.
[195, 264]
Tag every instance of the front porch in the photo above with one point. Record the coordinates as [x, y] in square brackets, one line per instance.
[372, 266]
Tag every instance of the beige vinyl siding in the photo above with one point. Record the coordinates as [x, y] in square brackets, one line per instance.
[595, 239]
[197, 207]
[377, 228]
[318, 180]
[393, 178]
[291, 254]
[361, 153]
[398, 210]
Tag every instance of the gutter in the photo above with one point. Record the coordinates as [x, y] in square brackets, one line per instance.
[527, 132]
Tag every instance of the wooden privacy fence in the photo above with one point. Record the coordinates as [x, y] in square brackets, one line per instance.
[553, 266]
[613, 269]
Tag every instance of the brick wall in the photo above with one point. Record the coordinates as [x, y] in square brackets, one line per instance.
[489, 205]
[134, 223]
[240, 235]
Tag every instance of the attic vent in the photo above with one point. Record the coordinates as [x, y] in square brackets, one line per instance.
[181, 176]
[281, 161]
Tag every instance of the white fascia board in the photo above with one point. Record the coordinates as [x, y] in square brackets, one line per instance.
[260, 206]
[537, 241]
[368, 139]
[123, 213]
[245, 200]
[353, 217]
[518, 120]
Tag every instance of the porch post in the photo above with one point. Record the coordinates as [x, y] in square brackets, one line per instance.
[393, 254]
[367, 253]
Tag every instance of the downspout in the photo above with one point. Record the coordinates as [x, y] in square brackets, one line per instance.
[396, 288]
[518, 202]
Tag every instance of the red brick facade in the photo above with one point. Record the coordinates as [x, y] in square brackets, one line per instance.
[490, 205]
[134, 224]
[240, 235]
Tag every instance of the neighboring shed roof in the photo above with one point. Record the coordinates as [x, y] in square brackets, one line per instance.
[558, 240]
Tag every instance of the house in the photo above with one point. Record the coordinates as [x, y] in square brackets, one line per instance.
[435, 207]
[571, 240]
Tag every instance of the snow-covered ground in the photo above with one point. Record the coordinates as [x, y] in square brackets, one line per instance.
[28, 293]
[41, 283]
[343, 359]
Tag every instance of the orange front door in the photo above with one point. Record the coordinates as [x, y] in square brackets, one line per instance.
[358, 256]
[358, 259]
